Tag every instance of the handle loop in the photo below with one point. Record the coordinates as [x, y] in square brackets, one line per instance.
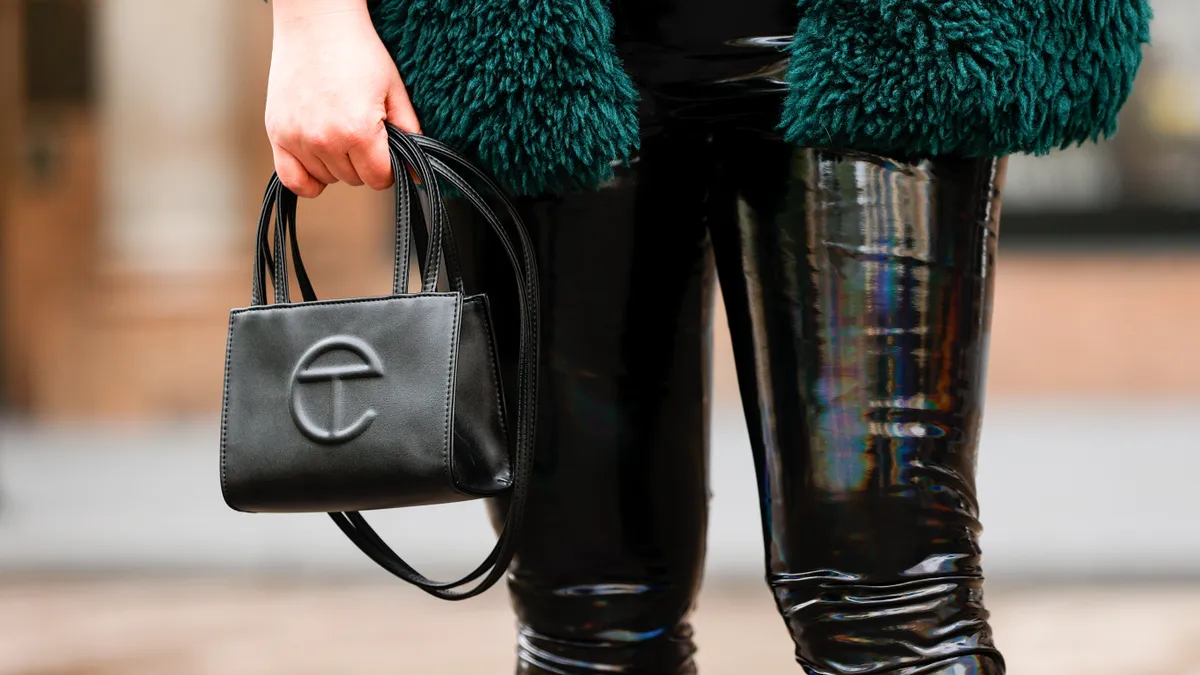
[410, 168]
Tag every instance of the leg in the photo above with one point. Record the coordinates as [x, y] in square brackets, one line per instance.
[613, 543]
[859, 293]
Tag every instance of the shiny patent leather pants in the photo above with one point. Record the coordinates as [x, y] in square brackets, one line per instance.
[858, 292]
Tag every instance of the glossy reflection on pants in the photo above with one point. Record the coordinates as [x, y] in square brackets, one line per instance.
[858, 292]
[612, 550]
[859, 295]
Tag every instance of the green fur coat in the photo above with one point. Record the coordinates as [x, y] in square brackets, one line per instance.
[535, 91]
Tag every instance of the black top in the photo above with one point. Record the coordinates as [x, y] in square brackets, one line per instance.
[703, 41]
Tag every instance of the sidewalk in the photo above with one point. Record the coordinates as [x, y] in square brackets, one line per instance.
[1095, 489]
[1072, 494]
[240, 628]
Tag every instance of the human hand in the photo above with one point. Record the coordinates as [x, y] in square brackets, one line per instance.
[332, 85]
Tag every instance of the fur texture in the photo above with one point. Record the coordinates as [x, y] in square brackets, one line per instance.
[532, 89]
[961, 77]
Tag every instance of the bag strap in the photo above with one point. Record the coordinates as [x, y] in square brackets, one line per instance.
[430, 160]
[437, 243]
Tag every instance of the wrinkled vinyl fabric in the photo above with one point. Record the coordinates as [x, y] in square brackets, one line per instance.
[858, 294]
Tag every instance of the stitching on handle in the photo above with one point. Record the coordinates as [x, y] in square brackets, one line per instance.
[403, 213]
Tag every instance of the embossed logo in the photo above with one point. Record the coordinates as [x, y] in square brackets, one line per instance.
[305, 373]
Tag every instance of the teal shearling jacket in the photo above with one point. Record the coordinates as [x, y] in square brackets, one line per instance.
[535, 91]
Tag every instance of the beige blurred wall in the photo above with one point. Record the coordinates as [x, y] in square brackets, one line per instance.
[1103, 325]
[119, 272]
[120, 268]
[10, 86]
[10, 50]
[1100, 325]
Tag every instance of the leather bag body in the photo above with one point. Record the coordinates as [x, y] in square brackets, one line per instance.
[335, 409]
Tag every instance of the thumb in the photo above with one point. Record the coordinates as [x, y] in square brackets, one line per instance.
[398, 109]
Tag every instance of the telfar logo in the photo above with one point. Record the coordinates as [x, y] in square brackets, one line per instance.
[305, 373]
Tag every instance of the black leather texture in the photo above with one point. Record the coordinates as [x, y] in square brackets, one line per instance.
[479, 461]
[331, 407]
[342, 406]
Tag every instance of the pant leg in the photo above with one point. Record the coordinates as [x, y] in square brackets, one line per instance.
[859, 296]
[613, 543]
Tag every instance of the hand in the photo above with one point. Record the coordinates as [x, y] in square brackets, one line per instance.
[332, 85]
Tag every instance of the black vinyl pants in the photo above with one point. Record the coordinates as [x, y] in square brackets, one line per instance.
[858, 291]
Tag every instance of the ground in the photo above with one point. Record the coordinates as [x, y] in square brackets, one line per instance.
[172, 626]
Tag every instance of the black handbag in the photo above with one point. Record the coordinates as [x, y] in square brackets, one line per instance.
[342, 406]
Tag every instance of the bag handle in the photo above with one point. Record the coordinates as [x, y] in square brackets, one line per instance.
[429, 161]
[404, 155]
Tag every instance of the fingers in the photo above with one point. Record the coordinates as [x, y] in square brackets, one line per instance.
[307, 157]
[372, 159]
[329, 152]
[332, 86]
[340, 168]
[293, 174]
[313, 164]
[399, 110]
[354, 151]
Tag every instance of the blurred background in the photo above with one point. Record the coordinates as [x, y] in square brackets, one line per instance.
[132, 157]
